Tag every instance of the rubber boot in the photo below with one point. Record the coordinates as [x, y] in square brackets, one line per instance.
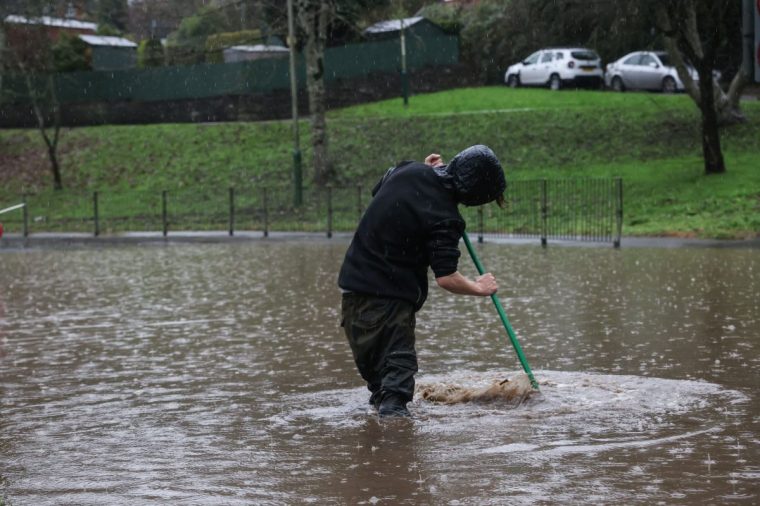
[374, 399]
[393, 405]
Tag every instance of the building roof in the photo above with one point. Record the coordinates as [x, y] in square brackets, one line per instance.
[99, 40]
[392, 25]
[48, 21]
[260, 48]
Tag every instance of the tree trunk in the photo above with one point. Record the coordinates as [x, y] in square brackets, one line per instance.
[51, 143]
[677, 19]
[711, 149]
[316, 89]
[53, 156]
[315, 16]
[41, 101]
[727, 104]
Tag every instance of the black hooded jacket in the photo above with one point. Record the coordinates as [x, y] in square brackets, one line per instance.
[413, 223]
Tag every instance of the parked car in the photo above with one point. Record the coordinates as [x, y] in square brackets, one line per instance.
[557, 67]
[645, 70]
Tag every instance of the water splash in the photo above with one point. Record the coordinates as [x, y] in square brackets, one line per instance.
[508, 391]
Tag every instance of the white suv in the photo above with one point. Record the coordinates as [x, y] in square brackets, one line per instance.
[557, 67]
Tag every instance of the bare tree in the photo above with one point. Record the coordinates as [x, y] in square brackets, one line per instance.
[314, 18]
[693, 31]
[33, 62]
[50, 138]
[45, 105]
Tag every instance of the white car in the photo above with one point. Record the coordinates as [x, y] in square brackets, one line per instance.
[557, 67]
[645, 70]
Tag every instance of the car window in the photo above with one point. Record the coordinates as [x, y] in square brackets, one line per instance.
[646, 59]
[632, 60]
[530, 60]
[584, 55]
[546, 57]
[665, 59]
[558, 56]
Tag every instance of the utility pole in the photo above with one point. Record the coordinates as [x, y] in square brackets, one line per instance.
[297, 174]
[2, 53]
[756, 48]
[748, 39]
[404, 75]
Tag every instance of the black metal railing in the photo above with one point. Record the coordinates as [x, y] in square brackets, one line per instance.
[568, 209]
[563, 209]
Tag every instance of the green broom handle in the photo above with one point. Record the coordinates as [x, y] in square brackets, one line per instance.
[502, 315]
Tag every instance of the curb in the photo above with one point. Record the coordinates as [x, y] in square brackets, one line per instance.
[63, 240]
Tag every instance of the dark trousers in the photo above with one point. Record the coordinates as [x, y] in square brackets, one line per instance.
[381, 334]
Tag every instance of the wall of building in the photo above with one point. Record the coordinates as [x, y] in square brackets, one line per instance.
[105, 58]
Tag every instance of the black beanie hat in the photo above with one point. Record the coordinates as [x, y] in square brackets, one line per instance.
[477, 175]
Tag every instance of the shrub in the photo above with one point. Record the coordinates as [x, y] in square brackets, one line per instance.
[71, 54]
[217, 43]
[188, 44]
[447, 16]
[150, 53]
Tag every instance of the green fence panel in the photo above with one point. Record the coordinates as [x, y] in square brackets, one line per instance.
[212, 80]
[355, 60]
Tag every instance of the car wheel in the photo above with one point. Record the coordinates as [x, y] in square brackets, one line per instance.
[617, 84]
[555, 82]
[513, 81]
[668, 85]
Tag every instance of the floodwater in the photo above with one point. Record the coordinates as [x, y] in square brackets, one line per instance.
[218, 374]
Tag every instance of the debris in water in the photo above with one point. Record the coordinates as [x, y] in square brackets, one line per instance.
[512, 391]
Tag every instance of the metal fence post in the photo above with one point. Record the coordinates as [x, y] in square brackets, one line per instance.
[164, 214]
[25, 213]
[232, 211]
[96, 219]
[266, 213]
[329, 212]
[480, 224]
[359, 200]
[544, 212]
[580, 210]
[618, 211]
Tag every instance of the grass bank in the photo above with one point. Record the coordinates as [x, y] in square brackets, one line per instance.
[652, 141]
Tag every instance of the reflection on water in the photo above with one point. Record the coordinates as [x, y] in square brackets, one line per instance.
[219, 374]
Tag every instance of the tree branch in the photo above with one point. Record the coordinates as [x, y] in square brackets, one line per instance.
[736, 87]
[674, 40]
[691, 32]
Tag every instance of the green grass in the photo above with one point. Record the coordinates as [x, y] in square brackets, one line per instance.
[650, 140]
[469, 100]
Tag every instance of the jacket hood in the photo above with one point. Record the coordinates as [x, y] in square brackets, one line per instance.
[475, 175]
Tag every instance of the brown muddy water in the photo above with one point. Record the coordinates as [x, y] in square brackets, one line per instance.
[218, 374]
